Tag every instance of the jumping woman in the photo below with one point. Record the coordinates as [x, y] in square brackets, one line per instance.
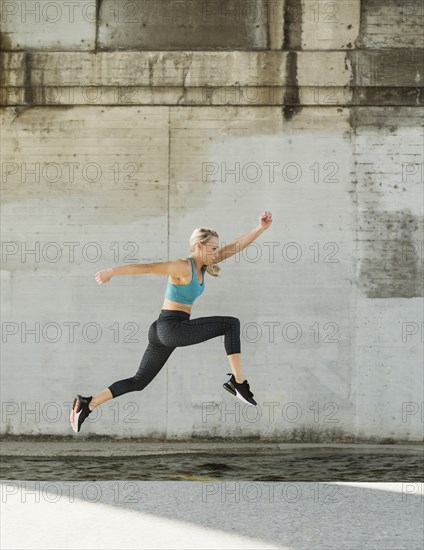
[174, 328]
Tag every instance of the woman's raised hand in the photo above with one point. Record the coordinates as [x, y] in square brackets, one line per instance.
[104, 275]
[265, 220]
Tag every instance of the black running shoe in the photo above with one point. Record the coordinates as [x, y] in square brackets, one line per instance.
[229, 386]
[242, 390]
[79, 412]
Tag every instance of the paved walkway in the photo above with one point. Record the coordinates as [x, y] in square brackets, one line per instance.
[206, 515]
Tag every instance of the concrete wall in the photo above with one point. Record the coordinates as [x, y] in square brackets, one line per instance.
[312, 111]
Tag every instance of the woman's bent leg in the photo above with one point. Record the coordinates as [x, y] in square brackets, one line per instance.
[234, 360]
[187, 332]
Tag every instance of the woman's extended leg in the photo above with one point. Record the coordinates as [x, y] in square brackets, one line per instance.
[152, 361]
[100, 398]
[154, 358]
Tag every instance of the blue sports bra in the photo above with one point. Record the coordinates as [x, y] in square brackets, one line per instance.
[187, 293]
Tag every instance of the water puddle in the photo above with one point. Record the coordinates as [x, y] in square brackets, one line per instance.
[297, 465]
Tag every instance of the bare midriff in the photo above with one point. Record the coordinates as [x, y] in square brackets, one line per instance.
[179, 306]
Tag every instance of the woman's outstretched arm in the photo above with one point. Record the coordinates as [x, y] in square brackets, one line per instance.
[131, 269]
[175, 268]
[244, 240]
[105, 275]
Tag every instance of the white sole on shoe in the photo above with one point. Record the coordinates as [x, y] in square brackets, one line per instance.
[75, 422]
[74, 417]
[238, 394]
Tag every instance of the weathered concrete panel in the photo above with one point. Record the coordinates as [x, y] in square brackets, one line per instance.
[389, 166]
[391, 24]
[48, 25]
[388, 374]
[329, 25]
[276, 17]
[87, 184]
[183, 25]
[145, 68]
[389, 68]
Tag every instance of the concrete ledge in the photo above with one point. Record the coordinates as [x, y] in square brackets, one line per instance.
[135, 447]
[392, 77]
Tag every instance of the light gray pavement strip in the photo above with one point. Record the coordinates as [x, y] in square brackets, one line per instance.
[227, 515]
[132, 447]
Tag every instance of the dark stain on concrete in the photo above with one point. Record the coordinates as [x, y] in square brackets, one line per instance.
[292, 25]
[150, 62]
[354, 82]
[19, 111]
[292, 43]
[391, 254]
[5, 45]
[5, 42]
[98, 18]
[27, 80]
[99, 445]
[2, 79]
[387, 96]
[291, 91]
[346, 63]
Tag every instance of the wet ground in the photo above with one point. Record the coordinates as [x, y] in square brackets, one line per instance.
[81, 461]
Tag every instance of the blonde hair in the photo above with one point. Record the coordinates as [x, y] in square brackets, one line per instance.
[203, 235]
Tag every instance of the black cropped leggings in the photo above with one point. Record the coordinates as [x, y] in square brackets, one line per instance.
[174, 329]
